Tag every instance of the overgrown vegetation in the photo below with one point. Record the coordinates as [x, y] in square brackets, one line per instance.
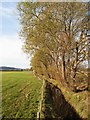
[20, 95]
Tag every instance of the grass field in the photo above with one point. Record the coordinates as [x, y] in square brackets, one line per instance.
[20, 95]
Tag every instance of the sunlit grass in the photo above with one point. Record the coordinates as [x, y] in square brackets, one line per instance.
[20, 94]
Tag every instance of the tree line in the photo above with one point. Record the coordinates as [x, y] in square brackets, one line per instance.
[55, 36]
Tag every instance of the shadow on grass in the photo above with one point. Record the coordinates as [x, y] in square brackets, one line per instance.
[56, 106]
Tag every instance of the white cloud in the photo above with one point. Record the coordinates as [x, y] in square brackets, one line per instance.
[0, 25]
[7, 11]
[11, 53]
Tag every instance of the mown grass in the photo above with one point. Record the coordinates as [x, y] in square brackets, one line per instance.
[20, 95]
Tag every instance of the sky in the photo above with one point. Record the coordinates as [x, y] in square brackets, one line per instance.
[11, 53]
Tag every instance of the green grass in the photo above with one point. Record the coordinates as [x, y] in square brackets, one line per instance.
[20, 95]
[78, 100]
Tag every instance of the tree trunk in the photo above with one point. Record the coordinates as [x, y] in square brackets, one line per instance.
[76, 60]
[68, 66]
[63, 66]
